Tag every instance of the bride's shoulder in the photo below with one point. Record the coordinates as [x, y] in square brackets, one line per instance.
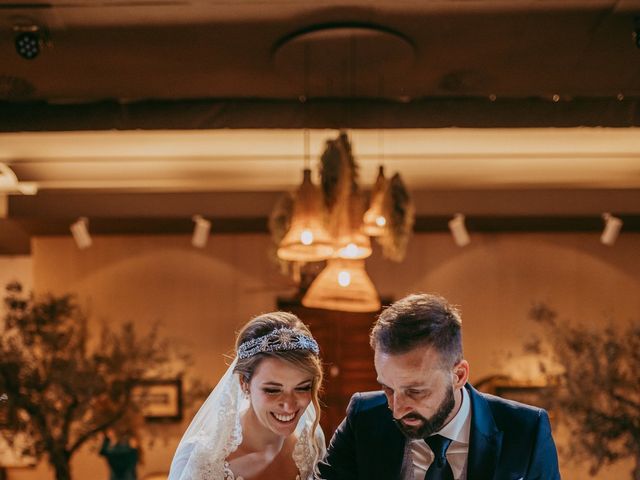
[228, 473]
[201, 461]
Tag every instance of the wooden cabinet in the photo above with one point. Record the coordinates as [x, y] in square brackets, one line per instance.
[346, 355]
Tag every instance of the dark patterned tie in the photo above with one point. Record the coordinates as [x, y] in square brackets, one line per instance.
[440, 468]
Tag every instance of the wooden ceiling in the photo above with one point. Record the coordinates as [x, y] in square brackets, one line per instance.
[170, 107]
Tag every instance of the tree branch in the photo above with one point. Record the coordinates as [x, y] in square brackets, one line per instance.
[100, 427]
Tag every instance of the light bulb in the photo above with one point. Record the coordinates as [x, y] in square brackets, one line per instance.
[350, 251]
[306, 237]
[344, 278]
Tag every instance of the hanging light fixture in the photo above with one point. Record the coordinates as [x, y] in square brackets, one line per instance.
[374, 220]
[347, 210]
[307, 240]
[326, 223]
[352, 242]
[343, 285]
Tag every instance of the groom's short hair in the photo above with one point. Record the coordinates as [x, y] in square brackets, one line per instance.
[419, 320]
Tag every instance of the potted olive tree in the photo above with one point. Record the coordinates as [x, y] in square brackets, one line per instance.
[597, 394]
[61, 386]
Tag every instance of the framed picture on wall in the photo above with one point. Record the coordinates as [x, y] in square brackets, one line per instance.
[159, 400]
[537, 394]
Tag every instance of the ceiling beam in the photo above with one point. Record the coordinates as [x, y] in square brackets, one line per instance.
[428, 203]
[473, 112]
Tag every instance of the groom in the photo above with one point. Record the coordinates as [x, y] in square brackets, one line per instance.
[428, 422]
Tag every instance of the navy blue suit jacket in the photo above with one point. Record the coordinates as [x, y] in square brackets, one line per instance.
[508, 441]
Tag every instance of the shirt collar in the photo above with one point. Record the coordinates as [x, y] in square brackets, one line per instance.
[458, 428]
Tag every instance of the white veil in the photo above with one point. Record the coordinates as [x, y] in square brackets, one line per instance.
[216, 431]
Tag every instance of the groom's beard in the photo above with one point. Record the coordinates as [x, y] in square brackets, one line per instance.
[429, 425]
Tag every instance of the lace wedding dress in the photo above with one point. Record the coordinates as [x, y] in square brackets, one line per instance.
[216, 431]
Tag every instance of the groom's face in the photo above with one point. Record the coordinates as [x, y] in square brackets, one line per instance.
[422, 393]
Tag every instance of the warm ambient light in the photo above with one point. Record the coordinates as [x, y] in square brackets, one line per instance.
[340, 207]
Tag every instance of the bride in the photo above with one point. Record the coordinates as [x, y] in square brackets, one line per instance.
[262, 419]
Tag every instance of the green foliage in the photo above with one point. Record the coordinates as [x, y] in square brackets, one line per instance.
[62, 386]
[598, 394]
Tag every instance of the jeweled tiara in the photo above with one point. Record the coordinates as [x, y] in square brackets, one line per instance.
[279, 340]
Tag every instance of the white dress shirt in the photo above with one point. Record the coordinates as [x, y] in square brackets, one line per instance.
[458, 430]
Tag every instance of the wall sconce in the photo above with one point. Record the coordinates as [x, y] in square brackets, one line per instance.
[9, 182]
[459, 230]
[612, 226]
[200, 231]
[80, 231]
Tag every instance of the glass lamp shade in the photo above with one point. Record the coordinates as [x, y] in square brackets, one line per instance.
[307, 240]
[374, 220]
[345, 286]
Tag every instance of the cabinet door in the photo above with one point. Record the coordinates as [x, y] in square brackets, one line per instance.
[346, 356]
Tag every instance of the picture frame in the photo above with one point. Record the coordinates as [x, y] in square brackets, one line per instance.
[537, 394]
[159, 400]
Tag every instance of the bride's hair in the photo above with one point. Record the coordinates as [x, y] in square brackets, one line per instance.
[303, 358]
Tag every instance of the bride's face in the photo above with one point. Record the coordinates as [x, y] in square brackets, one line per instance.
[279, 393]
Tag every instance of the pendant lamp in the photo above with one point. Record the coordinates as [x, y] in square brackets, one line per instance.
[307, 240]
[351, 241]
[343, 285]
[374, 220]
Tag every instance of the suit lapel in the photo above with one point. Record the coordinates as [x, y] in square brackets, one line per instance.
[390, 455]
[485, 440]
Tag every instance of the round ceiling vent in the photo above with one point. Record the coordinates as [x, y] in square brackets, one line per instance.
[344, 60]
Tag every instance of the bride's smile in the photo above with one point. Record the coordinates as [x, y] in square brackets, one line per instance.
[283, 418]
[279, 393]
